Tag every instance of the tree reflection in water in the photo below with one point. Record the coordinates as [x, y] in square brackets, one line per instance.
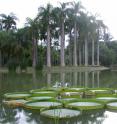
[23, 82]
[21, 116]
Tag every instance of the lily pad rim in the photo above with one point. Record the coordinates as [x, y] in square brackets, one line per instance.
[40, 107]
[56, 117]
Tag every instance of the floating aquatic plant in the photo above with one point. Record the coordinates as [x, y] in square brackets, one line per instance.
[42, 104]
[60, 113]
[17, 95]
[83, 105]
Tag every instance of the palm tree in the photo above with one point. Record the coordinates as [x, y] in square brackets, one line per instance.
[45, 17]
[69, 30]
[84, 33]
[100, 27]
[61, 16]
[0, 24]
[34, 31]
[93, 38]
[9, 21]
[76, 10]
[92, 30]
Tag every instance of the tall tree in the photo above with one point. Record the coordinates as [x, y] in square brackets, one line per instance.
[45, 17]
[92, 30]
[61, 11]
[0, 24]
[76, 11]
[84, 33]
[34, 31]
[9, 21]
[100, 29]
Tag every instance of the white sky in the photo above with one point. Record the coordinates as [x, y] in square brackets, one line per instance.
[29, 8]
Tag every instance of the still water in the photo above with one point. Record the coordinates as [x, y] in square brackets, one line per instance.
[12, 82]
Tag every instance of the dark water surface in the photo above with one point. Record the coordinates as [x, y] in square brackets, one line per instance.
[12, 82]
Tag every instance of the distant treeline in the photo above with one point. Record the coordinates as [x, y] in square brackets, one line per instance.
[65, 35]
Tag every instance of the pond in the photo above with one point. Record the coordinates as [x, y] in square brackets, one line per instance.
[12, 82]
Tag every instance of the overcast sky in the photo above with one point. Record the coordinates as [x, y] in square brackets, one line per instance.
[28, 8]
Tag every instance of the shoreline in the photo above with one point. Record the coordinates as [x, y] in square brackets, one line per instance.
[56, 69]
[73, 68]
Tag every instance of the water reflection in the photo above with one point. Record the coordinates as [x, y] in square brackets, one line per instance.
[62, 76]
[79, 79]
[93, 79]
[98, 79]
[23, 116]
[75, 74]
[7, 115]
[48, 79]
[86, 79]
[12, 82]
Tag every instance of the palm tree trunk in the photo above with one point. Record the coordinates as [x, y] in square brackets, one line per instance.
[75, 49]
[83, 54]
[86, 53]
[80, 55]
[34, 53]
[98, 63]
[48, 48]
[62, 45]
[93, 52]
[70, 49]
[0, 58]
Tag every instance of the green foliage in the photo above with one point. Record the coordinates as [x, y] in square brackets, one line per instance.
[27, 46]
[108, 54]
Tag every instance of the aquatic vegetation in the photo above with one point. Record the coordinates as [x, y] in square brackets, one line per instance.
[60, 113]
[42, 104]
[42, 93]
[101, 90]
[40, 98]
[16, 103]
[112, 105]
[63, 102]
[17, 95]
[85, 105]
[77, 89]
[107, 99]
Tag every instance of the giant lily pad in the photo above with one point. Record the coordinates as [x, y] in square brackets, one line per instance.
[16, 95]
[18, 102]
[85, 105]
[76, 89]
[106, 99]
[44, 104]
[40, 98]
[101, 91]
[60, 113]
[112, 105]
[41, 90]
[68, 99]
[43, 93]
[71, 93]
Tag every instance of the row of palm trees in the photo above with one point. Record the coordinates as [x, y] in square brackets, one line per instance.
[67, 21]
[71, 18]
